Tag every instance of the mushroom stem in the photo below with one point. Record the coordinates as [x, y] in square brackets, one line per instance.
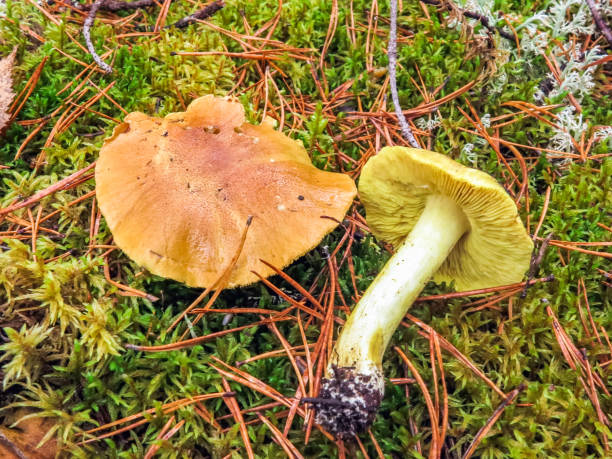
[385, 303]
[357, 355]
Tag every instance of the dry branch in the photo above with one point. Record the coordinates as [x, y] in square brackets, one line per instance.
[473, 15]
[115, 5]
[204, 13]
[599, 21]
[91, 17]
[392, 52]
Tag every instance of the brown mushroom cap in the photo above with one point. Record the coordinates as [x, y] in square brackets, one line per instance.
[176, 193]
[394, 186]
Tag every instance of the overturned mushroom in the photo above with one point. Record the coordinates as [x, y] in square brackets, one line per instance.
[446, 221]
[176, 193]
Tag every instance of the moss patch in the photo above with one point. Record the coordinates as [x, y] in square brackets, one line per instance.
[65, 326]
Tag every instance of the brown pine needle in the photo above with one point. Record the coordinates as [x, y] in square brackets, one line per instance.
[295, 285]
[492, 303]
[494, 417]
[573, 356]
[232, 404]
[287, 347]
[455, 352]
[261, 55]
[399, 381]
[577, 359]
[444, 422]
[206, 415]
[80, 109]
[433, 415]
[27, 140]
[193, 341]
[293, 302]
[162, 435]
[572, 247]
[256, 385]
[63, 184]
[22, 97]
[71, 203]
[448, 296]
[125, 288]
[276, 353]
[219, 284]
[582, 287]
[362, 447]
[281, 439]
[237, 311]
[377, 447]
[167, 409]
[308, 361]
[543, 212]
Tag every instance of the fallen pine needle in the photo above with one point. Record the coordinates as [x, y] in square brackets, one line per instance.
[494, 417]
[57, 186]
[232, 404]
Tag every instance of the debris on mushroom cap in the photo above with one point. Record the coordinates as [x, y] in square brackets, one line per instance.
[176, 193]
[495, 250]
[21, 434]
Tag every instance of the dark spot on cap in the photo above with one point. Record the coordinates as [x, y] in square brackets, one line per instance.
[301, 198]
[165, 134]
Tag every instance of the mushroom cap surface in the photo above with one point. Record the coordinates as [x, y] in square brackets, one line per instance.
[177, 192]
[495, 250]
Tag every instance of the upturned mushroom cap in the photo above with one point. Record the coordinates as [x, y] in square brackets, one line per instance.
[177, 192]
[496, 249]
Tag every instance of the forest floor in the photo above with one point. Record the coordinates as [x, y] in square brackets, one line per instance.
[520, 90]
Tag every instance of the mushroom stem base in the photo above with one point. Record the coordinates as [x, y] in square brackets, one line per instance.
[348, 400]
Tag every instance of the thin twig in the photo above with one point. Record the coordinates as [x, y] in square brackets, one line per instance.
[536, 261]
[485, 22]
[204, 13]
[91, 17]
[392, 52]
[599, 22]
[115, 5]
[473, 15]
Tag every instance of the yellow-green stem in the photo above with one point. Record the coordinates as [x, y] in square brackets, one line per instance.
[370, 326]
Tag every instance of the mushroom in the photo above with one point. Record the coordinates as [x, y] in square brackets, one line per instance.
[446, 221]
[177, 193]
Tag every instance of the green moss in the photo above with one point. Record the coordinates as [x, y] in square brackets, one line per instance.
[65, 326]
